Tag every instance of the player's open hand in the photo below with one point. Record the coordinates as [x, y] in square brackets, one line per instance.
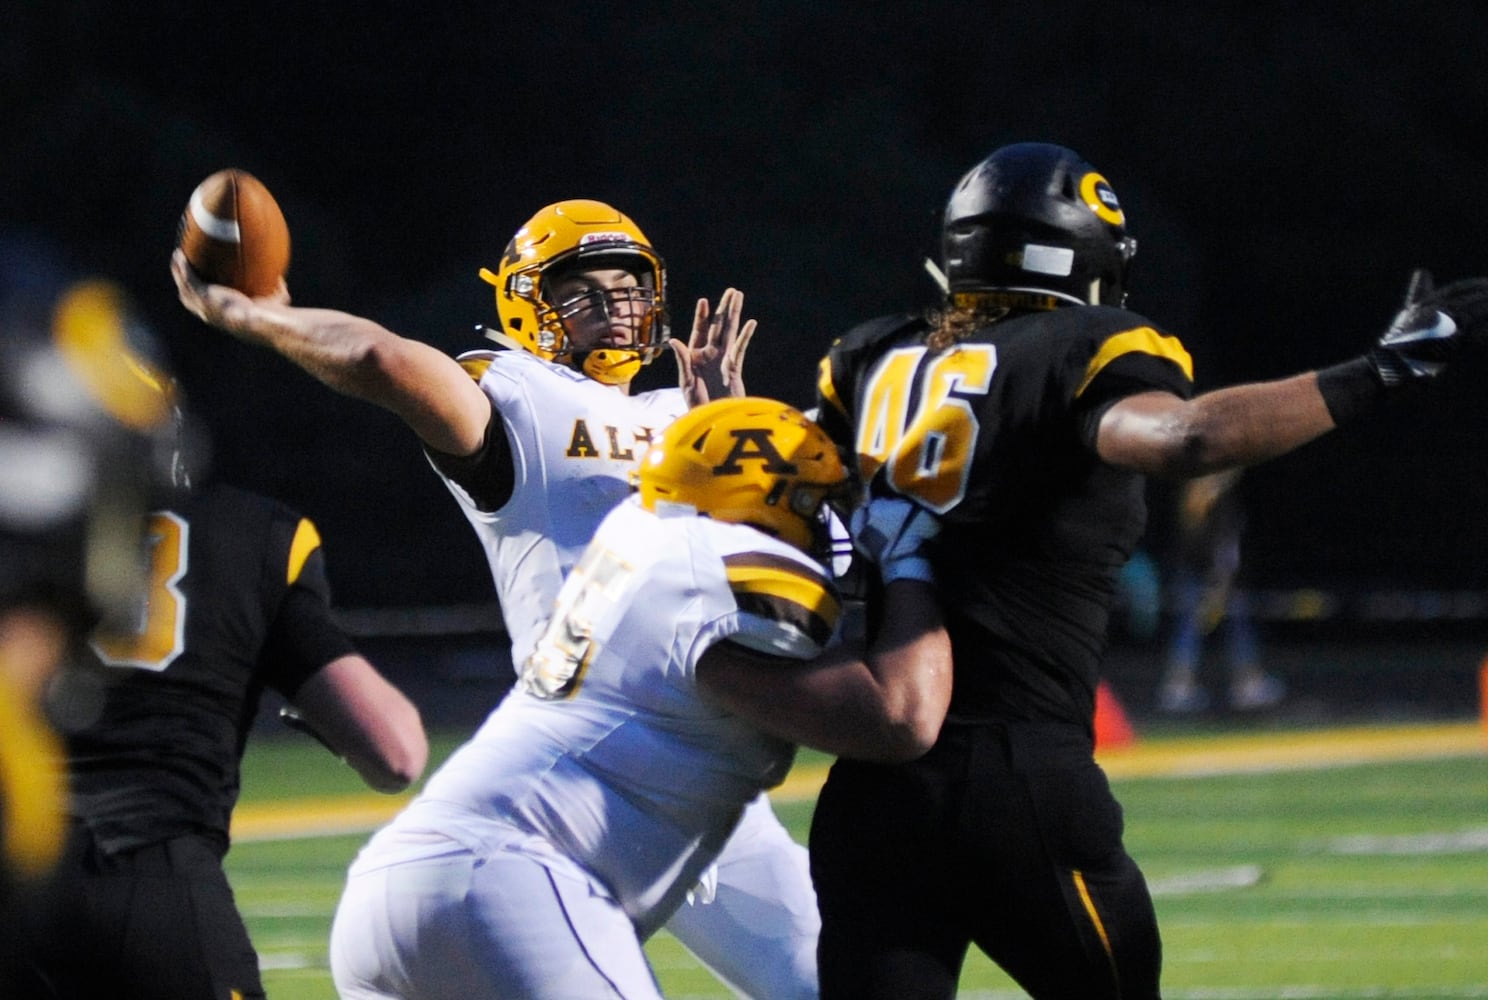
[214, 304]
[711, 365]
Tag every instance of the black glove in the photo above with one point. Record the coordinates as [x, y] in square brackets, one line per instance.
[1427, 333]
[1430, 329]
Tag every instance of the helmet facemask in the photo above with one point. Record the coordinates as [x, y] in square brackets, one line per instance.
[636, 308]
[831, 545]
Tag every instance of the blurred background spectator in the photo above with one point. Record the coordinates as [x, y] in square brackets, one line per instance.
[1209, 600]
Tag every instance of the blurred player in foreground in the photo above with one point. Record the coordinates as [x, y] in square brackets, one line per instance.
[157, 718]
[536, 444]
[1025, 412]
[77, 469]
[549, 847]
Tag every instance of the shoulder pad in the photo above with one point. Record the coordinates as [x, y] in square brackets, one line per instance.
[845, 362]
[476, 362]
[791, 608]
[874, 330]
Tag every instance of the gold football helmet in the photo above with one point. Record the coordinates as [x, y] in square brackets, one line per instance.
[747, 460]
[580, 235]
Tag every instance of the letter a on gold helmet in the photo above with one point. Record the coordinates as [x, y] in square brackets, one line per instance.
[580, 235]
[747, 460]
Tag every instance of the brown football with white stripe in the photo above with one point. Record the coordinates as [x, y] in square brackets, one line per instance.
[233, 233]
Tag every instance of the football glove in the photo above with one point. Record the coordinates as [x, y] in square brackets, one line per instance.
[894, 533]
[1430, 329]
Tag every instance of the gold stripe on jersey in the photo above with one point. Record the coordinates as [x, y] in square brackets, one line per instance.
[1141, 340]
[475, 365]
[306, 541]
[779, 589]
[826, 389]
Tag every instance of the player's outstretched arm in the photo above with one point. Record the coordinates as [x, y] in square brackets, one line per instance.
[711, 365]
[352, 355]
[1161, 434]
[366, 721]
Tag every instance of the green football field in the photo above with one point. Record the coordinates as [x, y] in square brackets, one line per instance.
[1341, 864]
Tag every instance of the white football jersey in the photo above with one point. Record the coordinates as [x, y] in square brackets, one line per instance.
[604, 751]
[574, 442]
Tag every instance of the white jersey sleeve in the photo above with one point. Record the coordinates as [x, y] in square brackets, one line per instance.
[573, 443]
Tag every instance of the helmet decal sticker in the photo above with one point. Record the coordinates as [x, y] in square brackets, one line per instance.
[1097, 193]
[757, 444]
[1058, 261]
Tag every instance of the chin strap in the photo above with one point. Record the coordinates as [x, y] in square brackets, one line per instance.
[938, 276]
[500, 337]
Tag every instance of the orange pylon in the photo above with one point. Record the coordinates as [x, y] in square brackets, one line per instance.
[1483, 695]
[1113, 729]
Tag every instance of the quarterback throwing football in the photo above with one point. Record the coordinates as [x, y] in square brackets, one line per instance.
[536, 443]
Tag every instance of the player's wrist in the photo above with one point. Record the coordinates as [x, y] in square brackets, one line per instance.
[1351, 388]
[910, 567]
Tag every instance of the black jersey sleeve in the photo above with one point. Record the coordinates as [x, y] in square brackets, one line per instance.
[302, 639]
[489, 475]
[302, 636]
[1133, 357]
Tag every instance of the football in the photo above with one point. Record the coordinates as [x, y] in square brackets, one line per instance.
[233, 233]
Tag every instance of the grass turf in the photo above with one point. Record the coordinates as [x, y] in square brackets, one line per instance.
[1283, 875]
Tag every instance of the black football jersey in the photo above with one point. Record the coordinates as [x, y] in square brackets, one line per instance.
[997, 435]
[238, 601]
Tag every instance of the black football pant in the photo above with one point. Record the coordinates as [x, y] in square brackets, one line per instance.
[156, 923]
[1005, 836]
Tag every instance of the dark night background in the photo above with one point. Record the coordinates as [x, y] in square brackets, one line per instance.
[1282, 165]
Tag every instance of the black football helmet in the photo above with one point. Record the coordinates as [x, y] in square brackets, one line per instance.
[1033, 226]
[86, 435]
